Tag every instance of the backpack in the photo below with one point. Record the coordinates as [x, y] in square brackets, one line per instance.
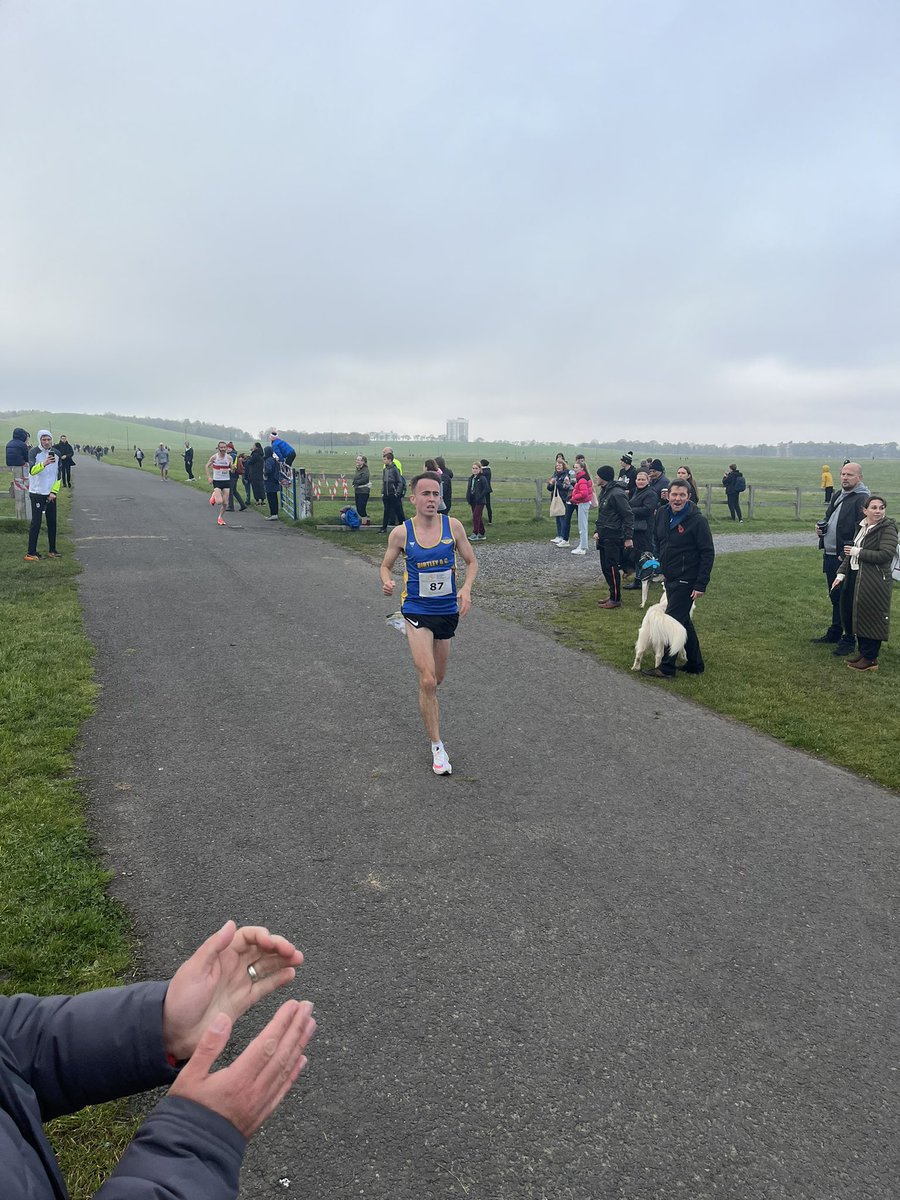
[740, 484]
[401, 487]
[351, 518]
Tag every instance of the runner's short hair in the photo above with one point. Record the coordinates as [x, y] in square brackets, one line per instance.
[413, 483]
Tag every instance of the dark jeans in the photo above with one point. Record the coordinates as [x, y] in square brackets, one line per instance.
[868, 648]
[678, 605]
[490, 514]
[189, 467]
[734, 505]
[610, 560]
[845, 594]
[65, 472]
[272, 498]
[829, 492]
[837, 628]
[567, 519]
[477, 522]
[41, 506]
[234, 494]
[246, 488]
[361, 500]
[393, 512]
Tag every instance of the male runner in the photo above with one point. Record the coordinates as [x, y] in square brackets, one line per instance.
[430, 603]
[218, 473]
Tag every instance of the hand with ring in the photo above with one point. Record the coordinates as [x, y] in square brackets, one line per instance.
[229, 973]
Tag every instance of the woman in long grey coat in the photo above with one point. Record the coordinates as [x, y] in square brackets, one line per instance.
[864, 576]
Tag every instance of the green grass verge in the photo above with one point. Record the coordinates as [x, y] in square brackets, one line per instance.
[59, 929]
[754, 626]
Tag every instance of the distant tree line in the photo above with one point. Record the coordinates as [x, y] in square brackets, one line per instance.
[197, 428]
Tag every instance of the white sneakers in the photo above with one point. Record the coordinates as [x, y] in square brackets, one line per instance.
[555, 541]
[440, 763]
[563, 545]
[578, 550]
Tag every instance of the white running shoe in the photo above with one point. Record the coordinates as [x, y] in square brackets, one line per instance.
[578, 550]
[441, 763]
[555, 541]
[563, 545]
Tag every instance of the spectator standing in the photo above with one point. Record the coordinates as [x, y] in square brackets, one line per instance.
[66, 454]
[362, 485]
[658, 479]
[827, 484]
[391, 492]
[17, 461]
[43, 489]
[139, 457]
[644, 504]
[234, 493]
[59, 1054]
[486, 476]
[684, 474]
[257, 474]
[628, 472]
[397, 463]
[189, 459]
[734, 483]
[582, 498]
[838, 529]
[243, 465]
[476, 498]
[431, 465]
[686, 556]
[615, 524]
[865, 583]
[446, 482]
[560, 482]
[272, 478]
[161, 458]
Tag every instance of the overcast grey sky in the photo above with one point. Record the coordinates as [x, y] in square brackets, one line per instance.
[558, 218]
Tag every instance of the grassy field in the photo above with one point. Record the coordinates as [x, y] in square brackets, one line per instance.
[754, 626]
[59, 930]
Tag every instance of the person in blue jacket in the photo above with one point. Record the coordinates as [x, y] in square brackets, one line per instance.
[61, 1053]
[284, 451]
[17, 448]
[271, 482]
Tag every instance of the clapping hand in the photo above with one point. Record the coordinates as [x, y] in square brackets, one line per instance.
[229, 973]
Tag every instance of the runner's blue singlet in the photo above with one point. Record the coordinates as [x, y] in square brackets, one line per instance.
[429, 573]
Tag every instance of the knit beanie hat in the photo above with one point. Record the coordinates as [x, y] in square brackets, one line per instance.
[656, 465]
[627, 459]
[606, 473]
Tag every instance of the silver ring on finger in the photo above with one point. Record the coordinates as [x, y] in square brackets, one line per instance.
[253, 973]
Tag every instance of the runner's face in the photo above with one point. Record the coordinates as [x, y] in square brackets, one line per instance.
[426, 497]
[221, 447]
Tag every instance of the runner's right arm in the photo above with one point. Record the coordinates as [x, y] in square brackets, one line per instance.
[394, 547]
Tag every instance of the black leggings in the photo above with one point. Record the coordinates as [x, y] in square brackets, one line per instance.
[362, 500]
[41, 506]
[734, 505]
[272, 498]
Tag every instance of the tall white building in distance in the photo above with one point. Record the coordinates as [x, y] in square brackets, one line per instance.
[458, 430]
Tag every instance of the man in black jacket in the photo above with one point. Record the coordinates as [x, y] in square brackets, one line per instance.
[686, 555]
[837, 529]
[615, 525]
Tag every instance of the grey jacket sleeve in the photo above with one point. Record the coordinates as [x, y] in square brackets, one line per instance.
[79, 1050]
[182, 1151]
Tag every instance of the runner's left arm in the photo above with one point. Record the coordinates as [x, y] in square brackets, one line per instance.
[467, 554]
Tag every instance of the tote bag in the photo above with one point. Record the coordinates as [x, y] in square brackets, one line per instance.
[557, 505]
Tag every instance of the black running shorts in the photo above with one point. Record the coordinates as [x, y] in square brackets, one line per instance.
[443, 627]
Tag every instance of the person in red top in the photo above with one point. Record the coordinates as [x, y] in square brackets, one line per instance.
[582, 495]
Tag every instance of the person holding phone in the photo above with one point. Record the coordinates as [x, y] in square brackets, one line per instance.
[43, 488]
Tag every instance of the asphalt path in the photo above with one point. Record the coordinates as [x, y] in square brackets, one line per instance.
[629, 949]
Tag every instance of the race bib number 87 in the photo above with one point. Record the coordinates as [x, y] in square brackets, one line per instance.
[434, 584]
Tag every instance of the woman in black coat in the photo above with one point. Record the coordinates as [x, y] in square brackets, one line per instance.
[446, 483]
[643, 503]
[254, 469]
[864, 577]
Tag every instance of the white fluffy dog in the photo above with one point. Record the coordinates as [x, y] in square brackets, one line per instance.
[659, 632]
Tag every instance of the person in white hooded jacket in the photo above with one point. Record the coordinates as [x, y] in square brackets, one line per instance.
[43, 488]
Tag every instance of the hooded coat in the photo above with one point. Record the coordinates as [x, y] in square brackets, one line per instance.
[17, 449]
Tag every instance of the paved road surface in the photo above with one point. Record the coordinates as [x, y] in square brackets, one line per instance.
[534, 979]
